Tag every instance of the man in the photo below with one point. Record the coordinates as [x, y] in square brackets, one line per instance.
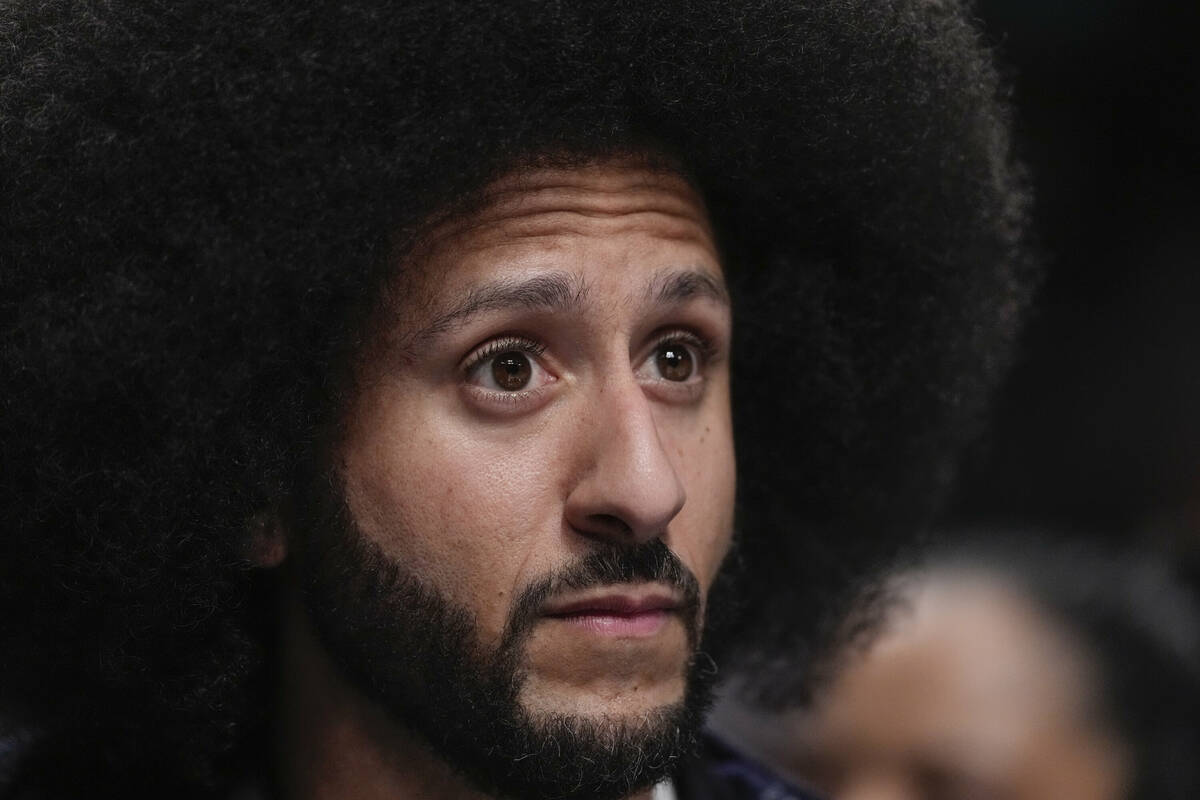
[374, 375]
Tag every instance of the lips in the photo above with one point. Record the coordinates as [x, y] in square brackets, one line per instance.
[626, 611]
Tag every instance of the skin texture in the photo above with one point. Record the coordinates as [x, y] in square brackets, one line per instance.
[969, 694]
[483, 491]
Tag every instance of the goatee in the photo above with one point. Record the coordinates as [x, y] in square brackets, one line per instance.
[411, 650]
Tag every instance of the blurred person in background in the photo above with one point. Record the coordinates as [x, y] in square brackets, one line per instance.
[1005, 669]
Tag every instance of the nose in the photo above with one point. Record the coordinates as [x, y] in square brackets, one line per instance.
[628, 490]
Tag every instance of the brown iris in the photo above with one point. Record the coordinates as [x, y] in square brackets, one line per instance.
[511, 371]
[674, 362]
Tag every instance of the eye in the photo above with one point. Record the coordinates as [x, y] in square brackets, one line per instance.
[677, 358]
[674, 361]
[511, 371]
[508, 365]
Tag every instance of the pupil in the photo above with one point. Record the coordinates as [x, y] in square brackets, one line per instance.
[674, 363]
[511, 371]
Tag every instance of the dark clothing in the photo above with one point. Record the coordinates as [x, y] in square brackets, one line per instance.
[717, 772]
[722, 773]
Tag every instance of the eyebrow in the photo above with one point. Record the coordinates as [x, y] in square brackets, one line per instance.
[561, 292]
[678, 285]
[555, 291]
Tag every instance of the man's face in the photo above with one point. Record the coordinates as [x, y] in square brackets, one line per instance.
[553, 384]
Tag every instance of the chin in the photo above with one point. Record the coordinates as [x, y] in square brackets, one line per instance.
[604, 699]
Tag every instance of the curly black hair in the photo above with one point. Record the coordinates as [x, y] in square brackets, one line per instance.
[202, 201]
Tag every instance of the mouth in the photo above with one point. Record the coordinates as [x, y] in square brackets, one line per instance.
[622, 611]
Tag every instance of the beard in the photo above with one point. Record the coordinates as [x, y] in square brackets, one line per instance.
[418, 656]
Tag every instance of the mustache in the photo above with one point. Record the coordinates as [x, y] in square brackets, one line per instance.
[609, 564]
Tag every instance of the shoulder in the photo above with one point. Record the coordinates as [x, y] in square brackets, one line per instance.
[720, 772]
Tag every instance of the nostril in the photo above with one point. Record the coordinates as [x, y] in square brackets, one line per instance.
[610, 525]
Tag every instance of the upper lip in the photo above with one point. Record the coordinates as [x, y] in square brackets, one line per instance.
[629, 599]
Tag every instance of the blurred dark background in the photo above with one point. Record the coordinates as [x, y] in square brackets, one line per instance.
[1098, 431]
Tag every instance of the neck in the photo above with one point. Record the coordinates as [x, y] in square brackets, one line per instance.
[334, 743]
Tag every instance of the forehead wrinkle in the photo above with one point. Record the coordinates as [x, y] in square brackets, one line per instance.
[549, 195]
[552, 221]
[508, 227]
[626, 179]
[553, 291]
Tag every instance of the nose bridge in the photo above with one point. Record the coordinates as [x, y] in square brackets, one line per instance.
[631, 436]
[631, 488]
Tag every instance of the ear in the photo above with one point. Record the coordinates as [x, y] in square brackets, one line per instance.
[266, 541]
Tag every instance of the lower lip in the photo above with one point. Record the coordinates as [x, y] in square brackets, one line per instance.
[645, 623]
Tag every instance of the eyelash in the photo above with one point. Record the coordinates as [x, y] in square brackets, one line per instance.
[495, 347]
[707, 351]
[704, 347]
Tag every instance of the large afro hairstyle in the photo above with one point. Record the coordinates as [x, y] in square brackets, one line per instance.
[202, 201]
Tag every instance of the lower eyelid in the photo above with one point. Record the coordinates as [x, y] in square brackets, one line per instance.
[506, 397]
[676, 391]
[490, 400]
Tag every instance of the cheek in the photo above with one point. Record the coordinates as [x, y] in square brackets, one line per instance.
[467, 512]
[702, 532]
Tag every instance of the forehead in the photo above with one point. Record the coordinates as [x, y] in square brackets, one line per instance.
[614, 216]
[969, 670]
[994, 646]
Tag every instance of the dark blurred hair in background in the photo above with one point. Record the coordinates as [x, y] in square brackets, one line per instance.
[1099, 429]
